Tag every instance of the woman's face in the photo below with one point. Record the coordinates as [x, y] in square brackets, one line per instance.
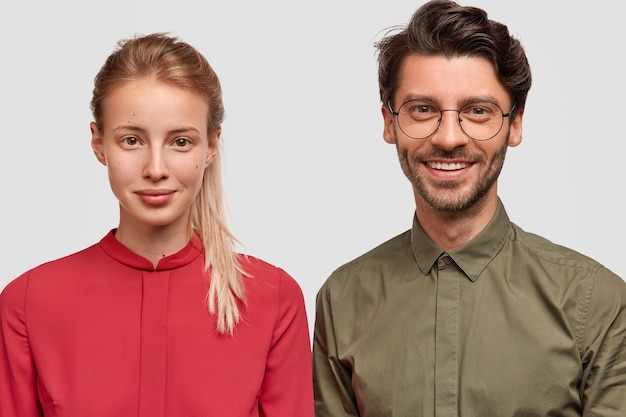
[155, 145]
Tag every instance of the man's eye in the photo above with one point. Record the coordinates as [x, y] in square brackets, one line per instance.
[422, 108]
[421, 111]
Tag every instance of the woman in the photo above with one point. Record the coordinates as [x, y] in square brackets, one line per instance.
[161, 317]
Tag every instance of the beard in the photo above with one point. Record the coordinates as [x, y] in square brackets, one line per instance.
[452, 196]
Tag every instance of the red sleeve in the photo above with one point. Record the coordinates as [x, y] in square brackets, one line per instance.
[287, 389]
[18, 386]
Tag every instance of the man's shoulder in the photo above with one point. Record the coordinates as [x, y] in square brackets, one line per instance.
[383, 252]
[394, 253]
[546, 250]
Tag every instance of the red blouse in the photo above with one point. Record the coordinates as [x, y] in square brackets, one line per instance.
[103, 333]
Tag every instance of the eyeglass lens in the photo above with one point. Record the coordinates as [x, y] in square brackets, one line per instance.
[481, 120]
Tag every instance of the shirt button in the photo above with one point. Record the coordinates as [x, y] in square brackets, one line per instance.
[447, 260]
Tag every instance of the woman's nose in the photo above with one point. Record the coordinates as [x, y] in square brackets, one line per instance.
[155, 167]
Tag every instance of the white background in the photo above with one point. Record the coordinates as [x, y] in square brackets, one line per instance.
[310, 183]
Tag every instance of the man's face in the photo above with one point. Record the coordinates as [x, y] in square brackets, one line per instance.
[450, 171]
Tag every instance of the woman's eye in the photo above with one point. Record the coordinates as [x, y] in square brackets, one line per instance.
[131, 140]
[182, 142]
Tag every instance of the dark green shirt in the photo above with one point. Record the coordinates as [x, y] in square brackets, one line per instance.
[509, 325]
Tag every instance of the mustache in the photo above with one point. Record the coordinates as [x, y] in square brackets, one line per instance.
[458, 153]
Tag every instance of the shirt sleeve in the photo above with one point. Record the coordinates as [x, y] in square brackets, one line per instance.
[334, 396]
[287, 385]
[603, 388]
[18, 385]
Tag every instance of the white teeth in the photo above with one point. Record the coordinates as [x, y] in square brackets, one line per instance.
[447, 166]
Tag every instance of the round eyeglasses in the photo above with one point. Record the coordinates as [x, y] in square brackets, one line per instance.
[479, 120]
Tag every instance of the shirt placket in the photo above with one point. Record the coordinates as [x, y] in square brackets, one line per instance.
[153, 359]
[446, 338]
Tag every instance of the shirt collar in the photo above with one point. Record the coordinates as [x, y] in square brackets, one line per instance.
[112, 247]
[474, 256]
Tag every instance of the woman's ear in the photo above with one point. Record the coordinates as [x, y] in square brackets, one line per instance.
[97, 144]
[214, 143]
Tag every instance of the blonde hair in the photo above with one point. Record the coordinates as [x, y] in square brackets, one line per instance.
[168, 59]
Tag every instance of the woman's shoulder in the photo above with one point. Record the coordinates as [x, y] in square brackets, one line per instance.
[261, 275]
[251, 263]
[273, 296]
[70, 264]
[78, 259]
[51, 274]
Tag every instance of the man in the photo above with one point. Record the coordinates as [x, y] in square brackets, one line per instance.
[465, 314]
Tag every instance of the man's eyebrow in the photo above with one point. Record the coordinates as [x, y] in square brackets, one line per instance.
[461, 102]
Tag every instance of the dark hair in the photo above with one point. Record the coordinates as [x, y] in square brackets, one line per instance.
[442, 27]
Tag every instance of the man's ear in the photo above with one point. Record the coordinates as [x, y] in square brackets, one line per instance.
[389, 131]
[515, 131]
[97, 145]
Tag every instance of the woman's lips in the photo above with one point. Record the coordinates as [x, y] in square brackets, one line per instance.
[155, 197]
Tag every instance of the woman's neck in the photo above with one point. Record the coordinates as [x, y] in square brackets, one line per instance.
[153, 243]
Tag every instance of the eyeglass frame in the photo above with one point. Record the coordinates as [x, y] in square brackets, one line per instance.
[458, 118]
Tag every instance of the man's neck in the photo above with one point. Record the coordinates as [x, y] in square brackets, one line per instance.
[451, 230]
